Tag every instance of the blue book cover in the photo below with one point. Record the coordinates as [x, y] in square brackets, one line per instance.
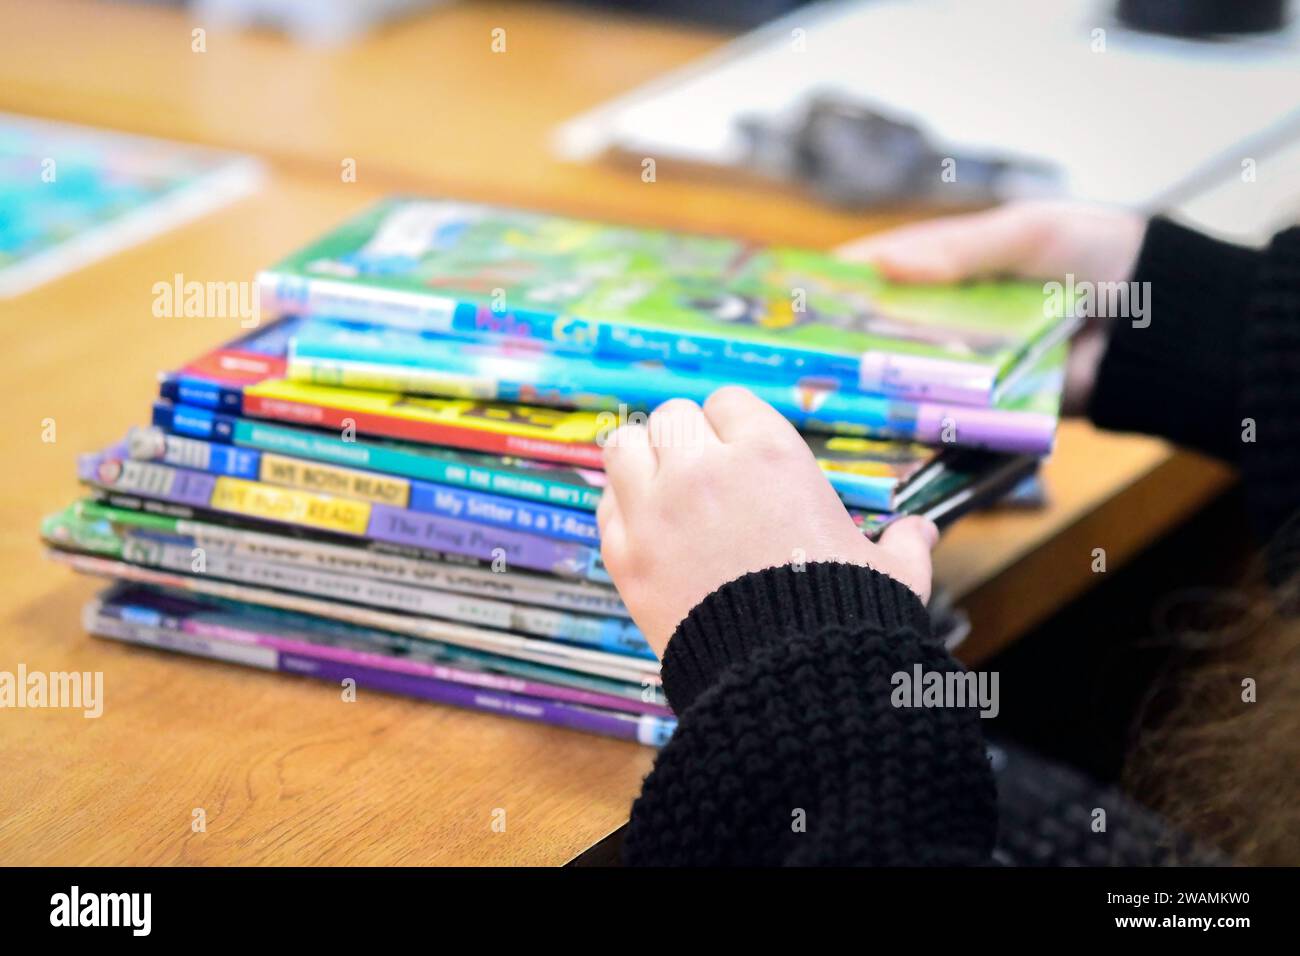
[363, 355]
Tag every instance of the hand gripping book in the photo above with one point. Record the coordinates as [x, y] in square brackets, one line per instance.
[698, 302]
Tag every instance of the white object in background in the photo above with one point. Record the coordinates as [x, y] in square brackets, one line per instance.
[310, 22]
[1130, 118]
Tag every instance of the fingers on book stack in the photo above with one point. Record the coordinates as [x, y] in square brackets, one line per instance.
[392, 479]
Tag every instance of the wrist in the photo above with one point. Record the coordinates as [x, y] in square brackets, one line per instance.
[766, 607]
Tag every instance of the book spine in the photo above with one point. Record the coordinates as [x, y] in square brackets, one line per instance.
[539, 651]
[374, 358]
[911, 377]
[193, 422]
[508, 549]
[233, 630]
[197, 454]
[645, 728]
[341, 515]
[425, 464]
[515, 587]
[550, 522]
[431, 433]
[286, 293]
[615, 635]
[200, 393]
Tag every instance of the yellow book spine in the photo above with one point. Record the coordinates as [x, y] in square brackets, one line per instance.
[258, 500]
[334, 480]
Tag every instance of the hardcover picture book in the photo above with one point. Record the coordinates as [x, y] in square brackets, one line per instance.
[693, 301]
[73, 194]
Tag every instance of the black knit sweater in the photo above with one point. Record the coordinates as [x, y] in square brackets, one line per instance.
[789, 748]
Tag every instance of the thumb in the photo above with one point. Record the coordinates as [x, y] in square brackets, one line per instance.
[948, 249]
[908, 542]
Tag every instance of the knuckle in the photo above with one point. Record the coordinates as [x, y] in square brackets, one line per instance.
[727, 396]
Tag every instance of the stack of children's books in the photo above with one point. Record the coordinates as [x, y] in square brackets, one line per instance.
[392, 479]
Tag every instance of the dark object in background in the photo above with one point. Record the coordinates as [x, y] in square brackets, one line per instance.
[854, 156]
[1200, 18]
[1052, 815]
[727, 14]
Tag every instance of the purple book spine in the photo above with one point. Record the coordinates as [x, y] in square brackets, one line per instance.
[400, 526]
[503, 683]
[645, 729]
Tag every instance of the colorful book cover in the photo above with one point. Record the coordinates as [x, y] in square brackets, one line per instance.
[246, 377]
[70, 195]
[153, 541]
[210, 617]
[563, 524]
[358, 355]
[698, 302]
[269, 653]
[115, 471]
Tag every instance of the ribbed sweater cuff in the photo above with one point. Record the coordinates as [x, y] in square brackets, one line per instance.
[1178, 376]
[764, 607]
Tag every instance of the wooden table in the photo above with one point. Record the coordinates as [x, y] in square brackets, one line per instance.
[285, 771]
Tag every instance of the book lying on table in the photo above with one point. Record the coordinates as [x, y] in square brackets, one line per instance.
[585, 660]
[73, 194]
[300, 645]
[347, 574]
[698, 302]
[357, 355]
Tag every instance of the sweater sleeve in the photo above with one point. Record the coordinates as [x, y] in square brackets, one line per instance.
[790, 749]
[1218, 368]
[1176, 374]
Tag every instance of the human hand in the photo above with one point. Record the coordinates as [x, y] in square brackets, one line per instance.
[1028, 240]
[698, 497]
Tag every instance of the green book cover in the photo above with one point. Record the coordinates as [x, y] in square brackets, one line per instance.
[626, 293]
